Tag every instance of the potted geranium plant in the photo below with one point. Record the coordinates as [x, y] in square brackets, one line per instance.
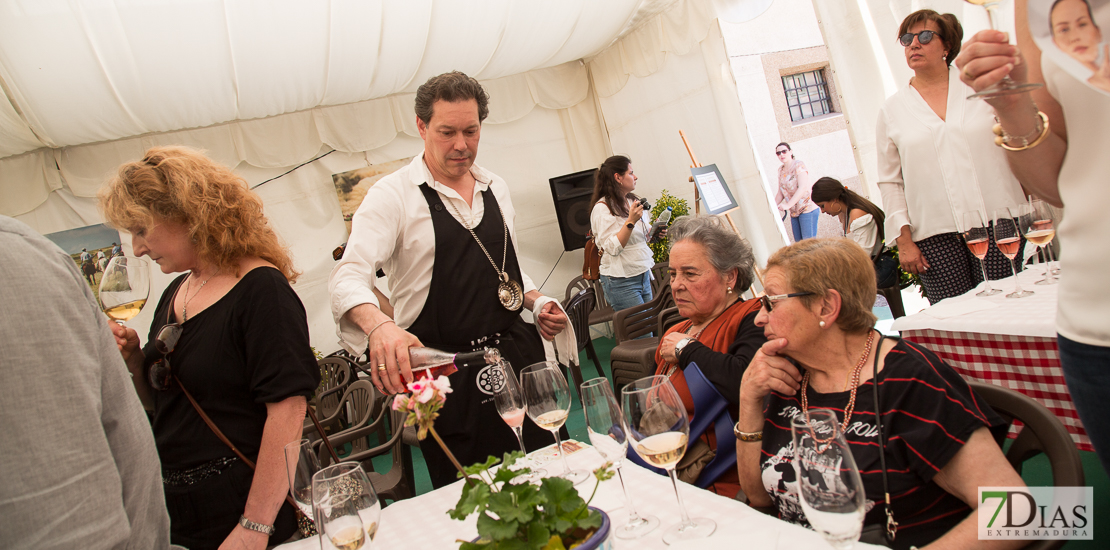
[548, 516]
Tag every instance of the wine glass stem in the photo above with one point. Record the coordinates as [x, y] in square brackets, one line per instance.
[559, 449]
[992, 13]
[681, 505]
[520, 438]
[633, 517]
[983, 266]
[1017, 284]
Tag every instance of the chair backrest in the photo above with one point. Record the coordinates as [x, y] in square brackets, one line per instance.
[661, 277]
[578, 312]
[335, 376]
[668, 318]
[710, 407]
[637, 321]
[1042, 433]
[361, 403]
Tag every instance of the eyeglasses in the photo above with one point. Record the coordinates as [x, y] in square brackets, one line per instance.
[782, 152]
[160, 376]
[923, 37]
[768, 301]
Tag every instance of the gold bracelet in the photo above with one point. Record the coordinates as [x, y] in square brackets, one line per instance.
[1001, 137]
[746, 437]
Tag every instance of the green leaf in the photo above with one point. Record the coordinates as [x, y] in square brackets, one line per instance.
[554, 543]
[505, 473]
[467, 545]
[591, 521]
[496, 529]
[505, 505]
[474, 496]
[539, 535]
[478, 468]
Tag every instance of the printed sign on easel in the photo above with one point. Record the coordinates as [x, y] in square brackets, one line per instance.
[711, 186]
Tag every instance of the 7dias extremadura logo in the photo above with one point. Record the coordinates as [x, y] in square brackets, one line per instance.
[1036, 513]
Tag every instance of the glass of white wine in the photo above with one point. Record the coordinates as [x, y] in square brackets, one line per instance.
[1039, 228]
[124, 287]
[345, 505]
[658, 429]
[548, 396]
[829, 486]
[1007, 86]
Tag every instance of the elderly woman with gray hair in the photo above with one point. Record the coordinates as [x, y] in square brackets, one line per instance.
[710, 265]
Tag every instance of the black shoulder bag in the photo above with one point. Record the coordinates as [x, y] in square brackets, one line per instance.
[876, 534]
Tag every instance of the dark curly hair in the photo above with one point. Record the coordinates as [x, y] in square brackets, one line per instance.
[450, 87]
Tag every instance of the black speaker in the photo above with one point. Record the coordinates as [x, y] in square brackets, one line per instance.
[571, 194]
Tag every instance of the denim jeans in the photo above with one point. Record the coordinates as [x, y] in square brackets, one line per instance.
[805, 225]
[626, 292]
[1087, 372]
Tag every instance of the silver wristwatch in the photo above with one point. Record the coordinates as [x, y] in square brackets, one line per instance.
[265, 529]
[680, 346]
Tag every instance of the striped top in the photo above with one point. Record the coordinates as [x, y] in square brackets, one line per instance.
[929, 412]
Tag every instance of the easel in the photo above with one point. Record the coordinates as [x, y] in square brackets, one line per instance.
[727, 215]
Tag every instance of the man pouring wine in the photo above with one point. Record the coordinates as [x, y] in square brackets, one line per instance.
[442, 230]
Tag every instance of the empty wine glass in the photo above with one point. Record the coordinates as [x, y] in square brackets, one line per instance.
[124, 287]
[1008, 239]
[658, 429]
[829, 486]
[608, 434]
[548, 397]
[978, 241]
[1039, 228]
[1007, 86]
[512, 407]
[301, 463]
[346, 506]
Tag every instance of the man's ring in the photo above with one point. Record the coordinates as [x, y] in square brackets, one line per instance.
[968, 75]
[381, 367]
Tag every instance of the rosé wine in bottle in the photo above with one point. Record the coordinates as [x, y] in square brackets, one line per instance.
[433, 363]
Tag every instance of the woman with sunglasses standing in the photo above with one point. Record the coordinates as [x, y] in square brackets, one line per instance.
[937, 160]
[230, 333]
[793, 194]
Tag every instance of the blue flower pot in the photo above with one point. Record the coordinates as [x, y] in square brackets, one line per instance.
[599, 541]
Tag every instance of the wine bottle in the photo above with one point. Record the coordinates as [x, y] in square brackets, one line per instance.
[433, 363]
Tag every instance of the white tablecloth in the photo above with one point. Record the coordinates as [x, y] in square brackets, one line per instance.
[1030, 316]
[422, 522]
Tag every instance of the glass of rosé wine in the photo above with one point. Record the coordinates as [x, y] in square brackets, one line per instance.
[512, 407]
[1007, 236]
[979, 242]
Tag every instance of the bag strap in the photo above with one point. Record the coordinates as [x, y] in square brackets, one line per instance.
[891, 525]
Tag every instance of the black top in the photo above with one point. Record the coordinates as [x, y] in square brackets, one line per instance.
[929, 412]
[249, 348]
[725, 370]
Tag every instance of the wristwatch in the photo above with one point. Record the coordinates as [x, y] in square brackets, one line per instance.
[264, 529]
[630, 225]
[680, 346]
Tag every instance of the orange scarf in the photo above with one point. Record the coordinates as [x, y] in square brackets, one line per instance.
[718, 335]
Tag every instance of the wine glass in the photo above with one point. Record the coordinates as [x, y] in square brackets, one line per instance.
[124, 287]
[346, 506]
[1008, 239]
[829, 486]
[512, 407]
[548, 398]
[608, 434]
[658, 429]
[1039, 228]
[1006, 86]
[978, 241]
[301, 463]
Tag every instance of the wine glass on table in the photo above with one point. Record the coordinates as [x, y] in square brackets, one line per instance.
[1007, 237]
[124, 287]
[829, 486]
[301, 464]
[658, 429]
[978, 241]
[1039, 228]
[608, 434]
[1006, 86]
[512, 407]
[346, 506]
[548, 397]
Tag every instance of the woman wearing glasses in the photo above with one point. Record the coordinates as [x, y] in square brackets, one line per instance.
[937, 161]
[231, 332]
[793, 194]
[938, 437]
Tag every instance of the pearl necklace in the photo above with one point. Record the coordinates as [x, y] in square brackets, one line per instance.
[851, 399]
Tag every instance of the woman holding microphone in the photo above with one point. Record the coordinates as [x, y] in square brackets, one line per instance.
[620, 231]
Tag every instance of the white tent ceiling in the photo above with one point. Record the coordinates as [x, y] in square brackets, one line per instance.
[79, 72]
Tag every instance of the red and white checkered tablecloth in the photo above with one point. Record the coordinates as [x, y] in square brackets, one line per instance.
[1028, 364]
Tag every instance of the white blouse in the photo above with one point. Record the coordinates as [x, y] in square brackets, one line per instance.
[864, 232]
[634, 258]
[931, 171]
[1083, 309]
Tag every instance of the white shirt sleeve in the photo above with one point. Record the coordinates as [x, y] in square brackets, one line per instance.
[891, 185]
[864, 232]
[605, 227]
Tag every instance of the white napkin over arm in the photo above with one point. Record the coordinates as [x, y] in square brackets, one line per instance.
[565, 344]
